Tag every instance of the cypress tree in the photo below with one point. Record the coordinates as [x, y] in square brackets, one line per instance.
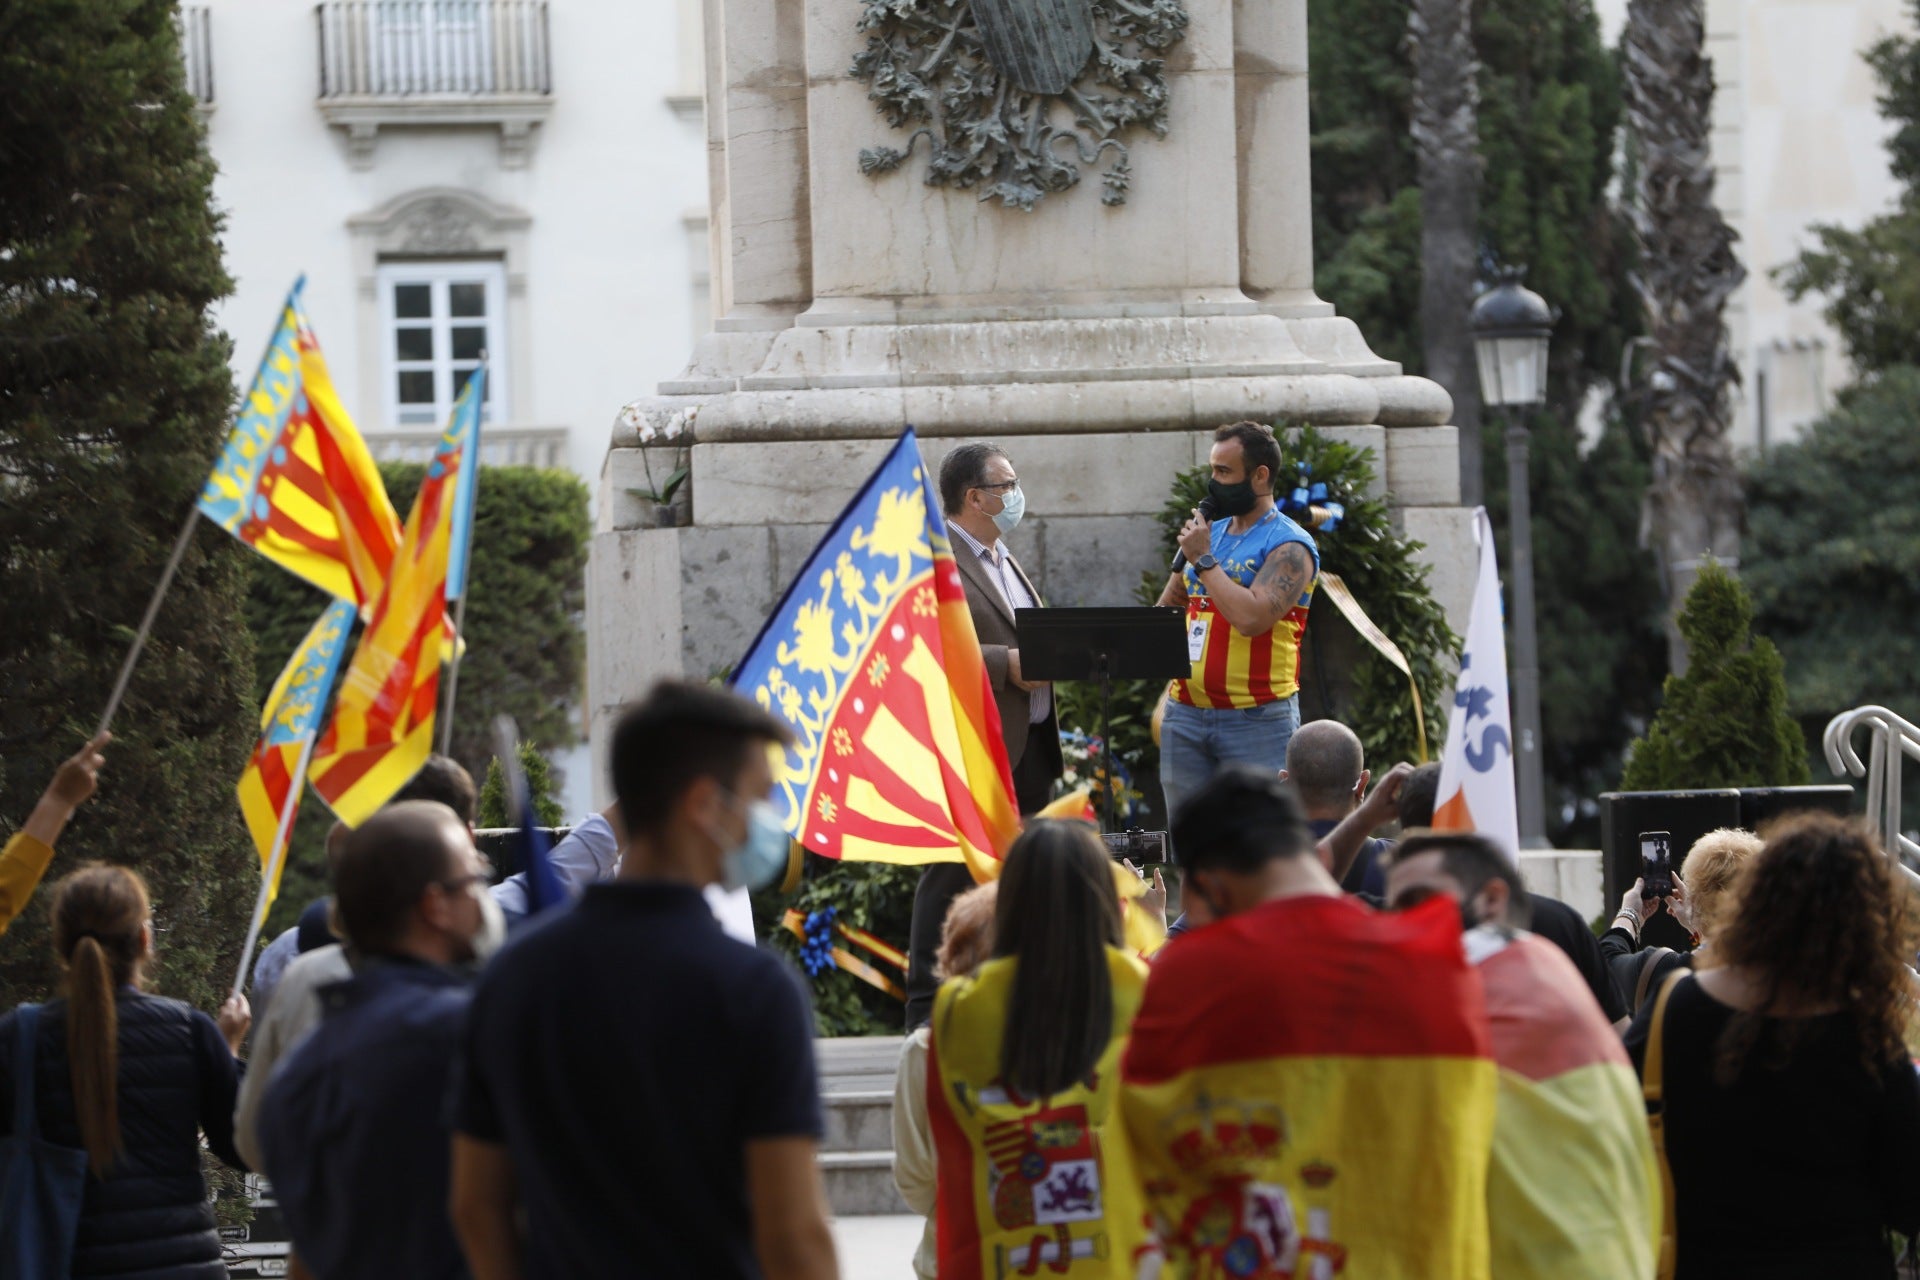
[1724, 723]
[114, 398]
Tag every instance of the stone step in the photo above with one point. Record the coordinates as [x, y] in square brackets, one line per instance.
[857, 1062]
[860, 1183]
[859, 1121]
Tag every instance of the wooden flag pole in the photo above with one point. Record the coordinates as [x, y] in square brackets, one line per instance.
[146, 623]
[275, 865]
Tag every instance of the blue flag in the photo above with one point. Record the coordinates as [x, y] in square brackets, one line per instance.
[544, 889]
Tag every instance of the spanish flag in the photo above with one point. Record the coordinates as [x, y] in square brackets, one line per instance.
[382, 730]
[269, 790]
[295, 481]
[1574, 1191]
[1309, 1090]
[871, 659]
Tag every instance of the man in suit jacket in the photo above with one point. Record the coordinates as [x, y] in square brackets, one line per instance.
[983, 502]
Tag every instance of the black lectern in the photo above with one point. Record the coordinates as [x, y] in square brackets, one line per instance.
[1104, 644]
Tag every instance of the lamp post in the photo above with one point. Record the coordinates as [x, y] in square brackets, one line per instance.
[1512, 326]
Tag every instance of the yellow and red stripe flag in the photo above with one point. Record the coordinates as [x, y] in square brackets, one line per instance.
[269, 790]
[1574, 1191]
[1309, 1090]
[382, 730]
[295, 481]
[872, 661]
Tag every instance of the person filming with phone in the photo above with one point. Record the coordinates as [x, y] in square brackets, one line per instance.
[1696, 903]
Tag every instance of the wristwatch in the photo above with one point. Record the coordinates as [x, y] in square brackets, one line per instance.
[1205, 563]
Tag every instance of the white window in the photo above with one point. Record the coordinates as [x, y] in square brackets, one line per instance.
[437, 318]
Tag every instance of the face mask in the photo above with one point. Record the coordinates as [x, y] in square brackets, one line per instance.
[1231, 499]
[760, 858]
[493, 926]
[1013, 505]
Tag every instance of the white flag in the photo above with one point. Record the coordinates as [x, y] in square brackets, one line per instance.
[1476, 770]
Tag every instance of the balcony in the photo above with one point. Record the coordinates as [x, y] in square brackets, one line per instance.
[195, 25]
[394, 63]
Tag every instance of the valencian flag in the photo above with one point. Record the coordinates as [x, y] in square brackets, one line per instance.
[1476, 768]
[295, 481]
[872, 661]
[382, 730]
[1344, 1127]
[269, 790]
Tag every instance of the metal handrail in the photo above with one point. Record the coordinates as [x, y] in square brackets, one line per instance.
[1894, 739]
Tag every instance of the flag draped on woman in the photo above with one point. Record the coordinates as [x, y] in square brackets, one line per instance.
[871, 659]
[295, 481]
[382, 730]
[1476, 769]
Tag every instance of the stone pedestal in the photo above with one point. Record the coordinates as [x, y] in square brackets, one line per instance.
[1100, 345]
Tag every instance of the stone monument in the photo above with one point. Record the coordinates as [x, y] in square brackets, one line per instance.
[901, 234]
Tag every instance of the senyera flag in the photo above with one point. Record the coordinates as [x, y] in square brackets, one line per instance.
[871, 659]
[1476, 769]
[269, 790]
[382, 730]
[295, 481]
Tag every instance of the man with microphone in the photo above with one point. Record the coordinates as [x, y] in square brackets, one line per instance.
[1245, 576]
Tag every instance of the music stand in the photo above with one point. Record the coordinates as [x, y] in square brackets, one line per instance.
[1103, 644]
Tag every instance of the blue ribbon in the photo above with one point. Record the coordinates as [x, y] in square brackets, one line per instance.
[1308, 493]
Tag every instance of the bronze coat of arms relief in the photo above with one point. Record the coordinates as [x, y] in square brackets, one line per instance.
[1016, 96]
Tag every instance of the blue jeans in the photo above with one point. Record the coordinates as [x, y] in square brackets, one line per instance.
[1196, 741]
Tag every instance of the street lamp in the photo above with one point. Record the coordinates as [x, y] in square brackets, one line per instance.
[1512, 327]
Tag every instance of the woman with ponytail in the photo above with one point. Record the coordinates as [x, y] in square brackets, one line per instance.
[1035, 1175]
[132, 1079]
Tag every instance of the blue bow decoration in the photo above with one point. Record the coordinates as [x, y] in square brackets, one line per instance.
[1308, 503]
[816, 948]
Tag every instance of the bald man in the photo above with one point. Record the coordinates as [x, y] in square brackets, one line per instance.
[1328, 768]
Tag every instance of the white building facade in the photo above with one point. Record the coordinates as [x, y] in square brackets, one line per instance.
[521, 177]
[1798, 140]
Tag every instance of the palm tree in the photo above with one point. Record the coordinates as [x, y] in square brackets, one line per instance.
[1446, 135]
[1686, 273]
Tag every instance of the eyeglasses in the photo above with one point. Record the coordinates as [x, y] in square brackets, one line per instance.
[1002, 487]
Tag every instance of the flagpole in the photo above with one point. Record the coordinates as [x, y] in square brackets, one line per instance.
[281, 840]
[453, 665]
[146, 623]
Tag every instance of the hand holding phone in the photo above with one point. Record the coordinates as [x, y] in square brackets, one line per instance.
[1656, 865]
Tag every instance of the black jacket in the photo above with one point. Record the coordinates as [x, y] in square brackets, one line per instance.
[149, 1218]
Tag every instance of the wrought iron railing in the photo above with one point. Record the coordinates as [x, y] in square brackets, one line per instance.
[433, 48]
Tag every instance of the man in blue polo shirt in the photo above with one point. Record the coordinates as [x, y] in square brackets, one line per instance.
[637, 1088]
[353, 1124]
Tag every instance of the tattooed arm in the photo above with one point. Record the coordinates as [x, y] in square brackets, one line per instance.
[1176, 592]
[1256, 610]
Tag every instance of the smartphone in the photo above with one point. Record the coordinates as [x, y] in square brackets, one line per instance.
[1656, 864]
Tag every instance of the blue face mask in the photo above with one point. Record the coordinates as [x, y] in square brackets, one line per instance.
[761, 856]
[1013, 505]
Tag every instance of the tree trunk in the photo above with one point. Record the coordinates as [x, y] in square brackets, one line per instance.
[1686, 273]
[1446, 137]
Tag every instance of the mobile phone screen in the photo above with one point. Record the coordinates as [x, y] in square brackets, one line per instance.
[1656, 865]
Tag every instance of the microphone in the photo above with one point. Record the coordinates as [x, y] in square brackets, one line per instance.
[1206, 512]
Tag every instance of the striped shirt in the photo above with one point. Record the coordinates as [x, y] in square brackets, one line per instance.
[1231, 670]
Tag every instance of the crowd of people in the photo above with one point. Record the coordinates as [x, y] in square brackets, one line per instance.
[1308, 1079]
[1353, 1056]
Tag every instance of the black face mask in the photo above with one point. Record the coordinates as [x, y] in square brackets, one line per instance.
[1231, 499]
